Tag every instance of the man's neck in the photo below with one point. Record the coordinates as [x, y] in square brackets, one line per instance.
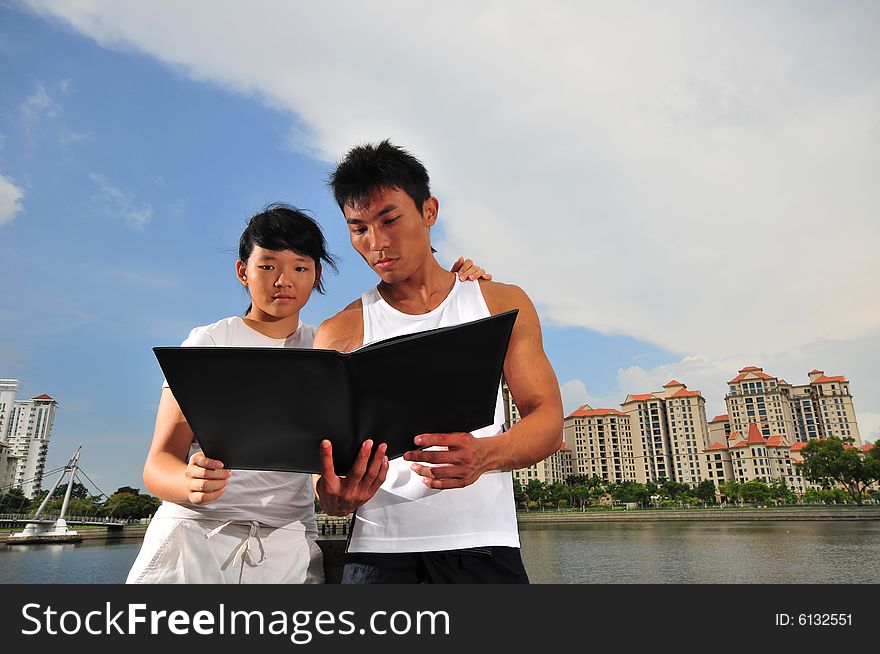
[421, 292]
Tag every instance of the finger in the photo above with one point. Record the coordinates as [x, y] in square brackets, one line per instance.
[467, 268]
[375, 466]
[437, 472]
[457, 265]
[441, 484]
[380, 478]
[325, 462]
[359, 466]
[206, 485]
[432, 456]
[195, 472]
[445, 440]
[199, 459]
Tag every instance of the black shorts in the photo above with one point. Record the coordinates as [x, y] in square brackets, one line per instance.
[476, 565]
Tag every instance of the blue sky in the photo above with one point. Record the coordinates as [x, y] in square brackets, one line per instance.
[138, 154]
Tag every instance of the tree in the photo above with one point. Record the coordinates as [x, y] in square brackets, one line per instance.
[13, 501]
[828, 461]
[732, 490]
[78, 491]
[781, 493]
[756, 491]
[705, 491]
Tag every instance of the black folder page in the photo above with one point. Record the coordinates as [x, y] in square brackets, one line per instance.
[269, 408]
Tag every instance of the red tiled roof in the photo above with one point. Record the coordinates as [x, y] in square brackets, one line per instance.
[755, 435]
[814, 371]
[775, 441]
[798, 446]
[639, 398]
[685, 393]
[586, 413]
[868, 446]
[724, 417]
[741, 444]
[754, 370]
[672, 382]
[717, 446]
[825, 380]
[43, 397]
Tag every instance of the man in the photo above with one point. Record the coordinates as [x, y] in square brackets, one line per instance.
[444, 514]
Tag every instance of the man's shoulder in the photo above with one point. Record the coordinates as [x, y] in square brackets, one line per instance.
[344, 331]
[501, 297]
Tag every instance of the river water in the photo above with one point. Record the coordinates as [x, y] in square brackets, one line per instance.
[604, 553]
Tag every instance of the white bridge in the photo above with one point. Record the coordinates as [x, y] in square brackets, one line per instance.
[47, 530]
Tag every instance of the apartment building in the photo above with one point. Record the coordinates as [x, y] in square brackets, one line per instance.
[756, 397]
[755, 457]
[669, 432]
[824, 408]
[556, 468]
[30, 427]
[601, 444]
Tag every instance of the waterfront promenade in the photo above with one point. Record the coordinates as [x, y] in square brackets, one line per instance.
[712, 514]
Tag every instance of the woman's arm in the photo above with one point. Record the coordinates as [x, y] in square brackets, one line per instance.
[166, 472]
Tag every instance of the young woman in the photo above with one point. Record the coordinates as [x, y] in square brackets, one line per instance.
[246, 526]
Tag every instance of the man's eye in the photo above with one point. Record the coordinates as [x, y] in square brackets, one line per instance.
[391, 220]
[266, 267]
[301, 269]
[359, 230]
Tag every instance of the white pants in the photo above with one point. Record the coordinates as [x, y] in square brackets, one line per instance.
[183, 551]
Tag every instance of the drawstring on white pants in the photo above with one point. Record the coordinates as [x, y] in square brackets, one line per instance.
[243, 551]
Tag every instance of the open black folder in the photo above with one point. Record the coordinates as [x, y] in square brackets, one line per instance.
[269, 408]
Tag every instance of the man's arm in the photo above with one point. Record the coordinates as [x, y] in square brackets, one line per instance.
[340, 495]
[535, 390]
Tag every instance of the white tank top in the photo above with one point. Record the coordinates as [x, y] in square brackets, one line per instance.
[276, 499]
[407, 516]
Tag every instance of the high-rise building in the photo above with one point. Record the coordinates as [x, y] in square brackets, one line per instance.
[601, 444]
[556, 468]
[669, 431]
[824, 408]
[821, 408]
[30, 426]
[756, 397]
[8, 391]
[8, 461]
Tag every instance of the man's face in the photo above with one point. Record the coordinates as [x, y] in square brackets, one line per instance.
[391, 233]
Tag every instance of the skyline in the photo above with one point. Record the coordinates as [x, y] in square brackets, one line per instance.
[677, 205]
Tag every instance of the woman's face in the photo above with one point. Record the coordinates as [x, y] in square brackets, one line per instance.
[279, 281]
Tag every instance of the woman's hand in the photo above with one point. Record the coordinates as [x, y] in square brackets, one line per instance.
[206, 479]
[467, 269]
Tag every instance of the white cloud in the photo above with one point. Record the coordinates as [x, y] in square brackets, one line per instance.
[10, 200]
[701, 176]
[118, 204]
[39, 105]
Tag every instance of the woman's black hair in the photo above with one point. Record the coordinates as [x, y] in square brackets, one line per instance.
[284, 227]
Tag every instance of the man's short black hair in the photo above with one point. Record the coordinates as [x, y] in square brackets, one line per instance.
[369, 167]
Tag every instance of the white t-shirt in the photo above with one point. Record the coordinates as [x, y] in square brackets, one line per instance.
[276, 499]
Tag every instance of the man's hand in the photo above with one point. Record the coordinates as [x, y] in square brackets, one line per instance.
[461, 463]
[206, 479]
[467, 269]
[342, 495]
